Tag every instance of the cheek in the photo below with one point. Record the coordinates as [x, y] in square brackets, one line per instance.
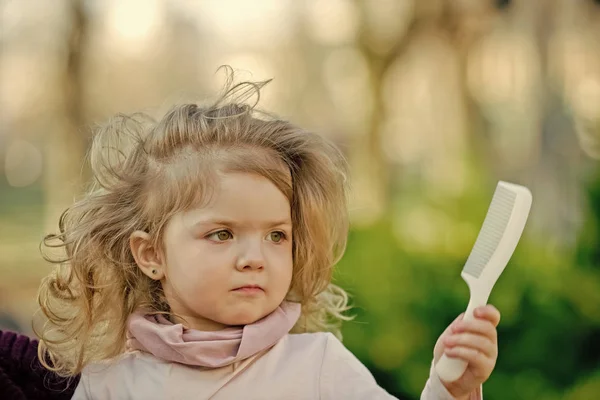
[197, 269]
[286, 263]
[290, 264]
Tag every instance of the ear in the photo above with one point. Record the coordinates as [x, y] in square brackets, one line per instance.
[147, 257]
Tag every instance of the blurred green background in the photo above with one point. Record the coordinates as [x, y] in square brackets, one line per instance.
[433, 101]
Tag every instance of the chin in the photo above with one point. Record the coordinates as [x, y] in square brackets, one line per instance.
[247, 317]
[246, 320]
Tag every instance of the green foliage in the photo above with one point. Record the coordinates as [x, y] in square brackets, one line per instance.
[405, 295]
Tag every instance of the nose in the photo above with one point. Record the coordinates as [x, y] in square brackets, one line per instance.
[250, 257]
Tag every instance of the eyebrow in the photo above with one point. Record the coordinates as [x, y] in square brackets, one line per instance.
[230, 222]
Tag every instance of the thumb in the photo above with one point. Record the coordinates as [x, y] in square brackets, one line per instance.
[448, 330]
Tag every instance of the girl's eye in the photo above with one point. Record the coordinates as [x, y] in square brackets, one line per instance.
[276, 237]
[221, 236]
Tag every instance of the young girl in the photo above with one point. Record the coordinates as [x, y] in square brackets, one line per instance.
[199, 265]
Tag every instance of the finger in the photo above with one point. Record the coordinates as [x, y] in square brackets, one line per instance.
[488, 312]
[477, 326]
[459, 318]
[448, 331]
[476, 342]
[479, 363]
[456, 321]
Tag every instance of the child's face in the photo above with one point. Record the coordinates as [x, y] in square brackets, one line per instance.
[243, 237]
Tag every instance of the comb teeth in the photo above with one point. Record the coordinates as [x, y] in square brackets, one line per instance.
[492, 230]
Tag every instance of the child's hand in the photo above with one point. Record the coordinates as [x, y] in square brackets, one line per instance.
[475, 341]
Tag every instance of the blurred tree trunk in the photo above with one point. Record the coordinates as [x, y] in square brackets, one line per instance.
[556, 172]
[66, 141]
[367, 152]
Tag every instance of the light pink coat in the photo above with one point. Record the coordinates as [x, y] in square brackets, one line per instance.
[306, 366]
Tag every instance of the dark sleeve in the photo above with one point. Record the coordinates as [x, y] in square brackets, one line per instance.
[22, 376]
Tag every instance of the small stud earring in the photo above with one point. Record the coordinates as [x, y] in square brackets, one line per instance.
[154, 272]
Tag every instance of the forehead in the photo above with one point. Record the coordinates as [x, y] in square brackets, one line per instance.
[245, 198]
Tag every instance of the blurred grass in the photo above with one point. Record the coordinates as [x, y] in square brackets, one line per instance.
[21, 229]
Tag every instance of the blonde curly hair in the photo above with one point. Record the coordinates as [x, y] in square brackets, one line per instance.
[146, 171]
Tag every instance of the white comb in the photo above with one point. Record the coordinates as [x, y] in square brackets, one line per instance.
[495, 244]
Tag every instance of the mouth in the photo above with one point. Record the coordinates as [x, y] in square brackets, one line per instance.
[249, 289]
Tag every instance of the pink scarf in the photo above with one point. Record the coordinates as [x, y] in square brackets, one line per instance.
[172, 342]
